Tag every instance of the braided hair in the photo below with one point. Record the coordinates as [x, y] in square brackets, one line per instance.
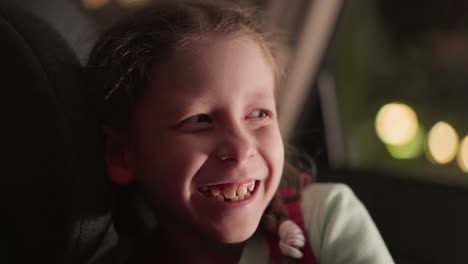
[119, 70]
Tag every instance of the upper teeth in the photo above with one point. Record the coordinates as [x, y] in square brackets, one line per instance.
[251, 186]
[231, 192]
[241, 191]
[215, 191]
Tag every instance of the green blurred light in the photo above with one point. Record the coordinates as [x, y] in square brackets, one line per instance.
[410, 150]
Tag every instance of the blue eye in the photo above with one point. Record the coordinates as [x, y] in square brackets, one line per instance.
[258, 113]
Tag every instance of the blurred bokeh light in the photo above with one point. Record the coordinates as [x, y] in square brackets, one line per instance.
[413, 149]
[463, 155]
[396, 124]
[442, 143]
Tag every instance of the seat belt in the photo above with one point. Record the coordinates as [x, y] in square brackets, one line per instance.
[292, 199]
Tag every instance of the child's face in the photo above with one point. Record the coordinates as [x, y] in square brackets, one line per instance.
[207, 126]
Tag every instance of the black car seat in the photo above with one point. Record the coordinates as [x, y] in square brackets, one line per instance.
[55, 205]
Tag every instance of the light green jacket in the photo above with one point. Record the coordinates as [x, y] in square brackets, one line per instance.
[341, 230]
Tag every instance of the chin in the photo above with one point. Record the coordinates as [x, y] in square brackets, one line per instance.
[237, 236]
[231, 233]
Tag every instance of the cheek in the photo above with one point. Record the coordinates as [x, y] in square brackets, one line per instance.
[273, 151]
[166, 164]
[272, 145]
[169, 149]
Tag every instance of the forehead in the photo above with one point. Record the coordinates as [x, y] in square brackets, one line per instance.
[213, 64]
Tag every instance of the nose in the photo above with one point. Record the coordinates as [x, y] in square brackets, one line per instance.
[236, 145]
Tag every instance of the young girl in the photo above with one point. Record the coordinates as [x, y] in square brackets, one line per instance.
[190, 123]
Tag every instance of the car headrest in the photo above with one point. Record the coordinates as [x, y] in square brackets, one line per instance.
[55, 200]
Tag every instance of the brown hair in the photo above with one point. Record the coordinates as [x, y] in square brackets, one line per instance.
[120, 64]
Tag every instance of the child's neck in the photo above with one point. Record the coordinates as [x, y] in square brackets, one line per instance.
[177, 246]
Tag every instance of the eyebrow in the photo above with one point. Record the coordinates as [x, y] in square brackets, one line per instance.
[184, 105]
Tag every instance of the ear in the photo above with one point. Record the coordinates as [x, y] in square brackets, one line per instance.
[119, 157]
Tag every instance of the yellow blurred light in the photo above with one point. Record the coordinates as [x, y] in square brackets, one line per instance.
[396, 124]
[463, 155]
[94, 4]
[413, 149]
[131, 3]
[442, 143]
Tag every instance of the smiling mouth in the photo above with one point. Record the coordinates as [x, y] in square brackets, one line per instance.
[231, 192]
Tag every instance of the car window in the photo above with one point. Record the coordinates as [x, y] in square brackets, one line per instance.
[398, 74]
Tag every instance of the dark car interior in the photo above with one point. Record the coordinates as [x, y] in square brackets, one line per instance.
[56, 203]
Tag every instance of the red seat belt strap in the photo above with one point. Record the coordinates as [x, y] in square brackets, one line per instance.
[295, 214]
